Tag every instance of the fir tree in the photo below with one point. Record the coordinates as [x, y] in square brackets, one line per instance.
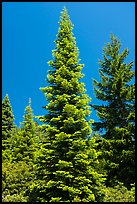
[23, 146]
[65, 169]
[25, 142]
[7, 122]
[116, 114]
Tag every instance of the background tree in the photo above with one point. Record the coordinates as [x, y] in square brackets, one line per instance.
[65, 168]
[8, 126]
[116, 114]
[18, 173]
[25, 142]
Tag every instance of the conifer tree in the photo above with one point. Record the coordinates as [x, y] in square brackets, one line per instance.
[25, 142]
[23, 147]
[66, 171]
[7, 122]
[116, 114]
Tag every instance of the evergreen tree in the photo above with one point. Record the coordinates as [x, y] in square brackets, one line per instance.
[19, 173]
[8, 126]
[25, 142]
[66, 171]
[116, 115]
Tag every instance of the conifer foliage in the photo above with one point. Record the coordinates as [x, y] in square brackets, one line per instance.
[117, 116]
[7, 122]
[65, 171]
[25, 141]
[18, 173]
[60, 160]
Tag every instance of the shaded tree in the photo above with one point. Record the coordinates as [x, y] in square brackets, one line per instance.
[8, 127]
[116, 114]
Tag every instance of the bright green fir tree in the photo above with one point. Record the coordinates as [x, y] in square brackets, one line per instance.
[18, 173]
[117, 113]
[66, 171]
[25, 142]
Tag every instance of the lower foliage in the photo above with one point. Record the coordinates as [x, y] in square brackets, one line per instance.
[16, 178]
[14, 198]
[120, 193]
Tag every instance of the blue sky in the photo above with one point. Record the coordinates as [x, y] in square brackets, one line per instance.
[28, 33]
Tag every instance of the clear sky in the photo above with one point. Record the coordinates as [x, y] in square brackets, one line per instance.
[28, 33]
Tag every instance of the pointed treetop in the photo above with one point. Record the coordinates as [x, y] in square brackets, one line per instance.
[115, 40]
[65, 16]
[6, 97]
[65, 9]
[6, 102]
[7, 117]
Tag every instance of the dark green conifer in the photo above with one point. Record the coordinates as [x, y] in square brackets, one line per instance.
[7, 122]
[116, 114]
